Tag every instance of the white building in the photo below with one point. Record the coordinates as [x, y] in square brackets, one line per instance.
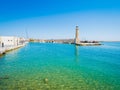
[9, 41]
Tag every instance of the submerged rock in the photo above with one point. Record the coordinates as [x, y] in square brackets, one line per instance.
[5, 77]
[45, 80]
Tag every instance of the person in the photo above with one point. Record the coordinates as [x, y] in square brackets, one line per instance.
[2, 44]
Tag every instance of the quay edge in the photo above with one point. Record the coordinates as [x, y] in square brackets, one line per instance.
[3, 51]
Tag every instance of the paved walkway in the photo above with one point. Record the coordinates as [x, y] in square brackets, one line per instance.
[8, 48]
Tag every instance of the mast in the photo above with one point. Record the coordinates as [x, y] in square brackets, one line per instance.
[26, 34]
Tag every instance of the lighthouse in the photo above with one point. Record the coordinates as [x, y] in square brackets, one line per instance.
[77, 40]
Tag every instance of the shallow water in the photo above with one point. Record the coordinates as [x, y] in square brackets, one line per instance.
[48, 66]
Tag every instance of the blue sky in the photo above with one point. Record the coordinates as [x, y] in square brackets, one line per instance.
[54, 19]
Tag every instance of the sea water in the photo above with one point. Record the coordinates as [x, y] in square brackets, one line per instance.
[48, 66]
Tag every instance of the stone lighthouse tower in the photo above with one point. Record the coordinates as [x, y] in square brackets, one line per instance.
[77, 40]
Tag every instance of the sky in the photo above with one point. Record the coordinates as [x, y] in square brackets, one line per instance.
[57, 19]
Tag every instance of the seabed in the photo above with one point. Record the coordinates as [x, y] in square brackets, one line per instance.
[55, 66]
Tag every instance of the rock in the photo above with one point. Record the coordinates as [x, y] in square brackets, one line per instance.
[45, 80]
[5, 77]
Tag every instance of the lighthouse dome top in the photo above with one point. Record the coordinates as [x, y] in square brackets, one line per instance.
[77, 27]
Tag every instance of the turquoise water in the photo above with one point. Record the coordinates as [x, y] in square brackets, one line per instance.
[48, 66]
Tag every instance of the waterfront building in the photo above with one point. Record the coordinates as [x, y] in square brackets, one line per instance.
[10, 41]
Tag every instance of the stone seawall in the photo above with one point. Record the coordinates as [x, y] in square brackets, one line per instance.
[89, 44]
[5, 49]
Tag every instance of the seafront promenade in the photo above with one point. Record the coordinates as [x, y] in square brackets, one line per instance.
[8, 43]
[5, 49]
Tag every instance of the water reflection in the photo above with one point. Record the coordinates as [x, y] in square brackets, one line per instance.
[76, 53]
